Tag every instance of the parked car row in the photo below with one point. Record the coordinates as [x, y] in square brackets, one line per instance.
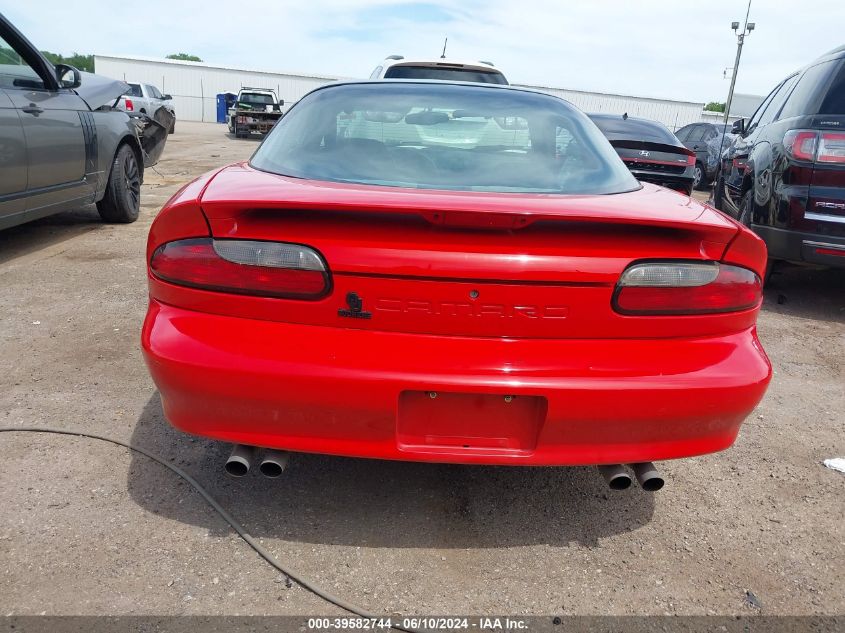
[708, 141]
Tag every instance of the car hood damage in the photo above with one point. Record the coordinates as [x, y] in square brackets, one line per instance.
[152, 133]
[98, 91]
[102, 93]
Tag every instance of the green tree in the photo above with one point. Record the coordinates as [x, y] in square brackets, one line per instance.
[715, 106]
[185, 57]
[77, 60]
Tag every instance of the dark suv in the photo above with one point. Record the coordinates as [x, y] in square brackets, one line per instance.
[785, 176]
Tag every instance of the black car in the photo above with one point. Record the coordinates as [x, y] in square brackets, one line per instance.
[785, 176]
[708, 141]
[650, 150]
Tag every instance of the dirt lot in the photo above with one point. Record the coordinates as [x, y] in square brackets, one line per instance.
[88, 528]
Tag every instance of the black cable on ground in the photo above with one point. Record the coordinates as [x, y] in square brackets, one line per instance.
[305, 583]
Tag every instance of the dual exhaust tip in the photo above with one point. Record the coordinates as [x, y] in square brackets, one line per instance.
[272, 464]
[618, 478]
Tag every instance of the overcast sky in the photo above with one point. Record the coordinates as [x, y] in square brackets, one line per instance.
[664, 48]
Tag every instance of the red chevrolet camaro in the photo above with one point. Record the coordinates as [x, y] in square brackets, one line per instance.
[450, 272]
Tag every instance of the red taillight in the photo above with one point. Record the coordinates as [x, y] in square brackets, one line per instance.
[739, 164]
[130, 107]
[263, 269]
[678, 288]
[814, 146]
[691, 158]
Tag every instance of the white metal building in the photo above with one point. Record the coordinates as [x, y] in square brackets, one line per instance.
[195, 85]
[672, 114]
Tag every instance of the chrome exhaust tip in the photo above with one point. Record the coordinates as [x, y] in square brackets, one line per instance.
[274, 463]
[648, 477]
[616, 476]
[240, 460]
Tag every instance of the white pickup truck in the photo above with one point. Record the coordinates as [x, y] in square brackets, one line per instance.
[146, 99]
[255, 110]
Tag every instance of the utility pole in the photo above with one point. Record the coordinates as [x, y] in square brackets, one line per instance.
[740, 40]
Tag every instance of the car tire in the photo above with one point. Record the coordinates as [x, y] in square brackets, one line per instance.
[122, 201]
[745, 214]
[718, 191]
[771, 264]
[700, 177]
[745, 217]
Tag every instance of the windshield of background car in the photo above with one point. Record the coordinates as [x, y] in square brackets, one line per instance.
[445, 74]
[443, 136]
[618, 129]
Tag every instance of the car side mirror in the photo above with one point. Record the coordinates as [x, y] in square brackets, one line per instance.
[281, 102]
[166, 97]
[738, 127]
[68, 76]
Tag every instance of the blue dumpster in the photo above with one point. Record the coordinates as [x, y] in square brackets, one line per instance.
[224, 102]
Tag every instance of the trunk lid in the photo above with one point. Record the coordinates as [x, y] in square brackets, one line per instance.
[464, 263]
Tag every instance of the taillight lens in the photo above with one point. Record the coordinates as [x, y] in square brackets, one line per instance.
[800, 144]
[831, 147]
[691, 159]
[262, 269]
[129, 105]
[815, 146]
[679, 288]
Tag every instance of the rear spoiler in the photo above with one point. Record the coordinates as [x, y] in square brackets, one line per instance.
[653, 147]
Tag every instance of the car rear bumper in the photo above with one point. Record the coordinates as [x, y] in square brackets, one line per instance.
[497, 401]
[798, 246]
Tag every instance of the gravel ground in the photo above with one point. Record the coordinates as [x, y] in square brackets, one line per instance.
[88, 528]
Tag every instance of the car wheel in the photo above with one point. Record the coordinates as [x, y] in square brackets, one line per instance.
[745, 217]
[122, 201]
[745, 212]
[699, 178]
[771, 264]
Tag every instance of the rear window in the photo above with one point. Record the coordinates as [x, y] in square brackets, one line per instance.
[446, 74]
[134, 90]
[808, 97]
[255, 98]
[617, 128]
[443, 136]
[834, 100]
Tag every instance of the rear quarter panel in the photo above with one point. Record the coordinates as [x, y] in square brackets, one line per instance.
[113, 128]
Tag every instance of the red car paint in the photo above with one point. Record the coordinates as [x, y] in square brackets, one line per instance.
[491, 336]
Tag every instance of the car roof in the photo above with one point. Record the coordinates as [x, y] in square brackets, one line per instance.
[635, 119]
[441, 82]
[631, 125]
[434, 62]
[839, 51]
